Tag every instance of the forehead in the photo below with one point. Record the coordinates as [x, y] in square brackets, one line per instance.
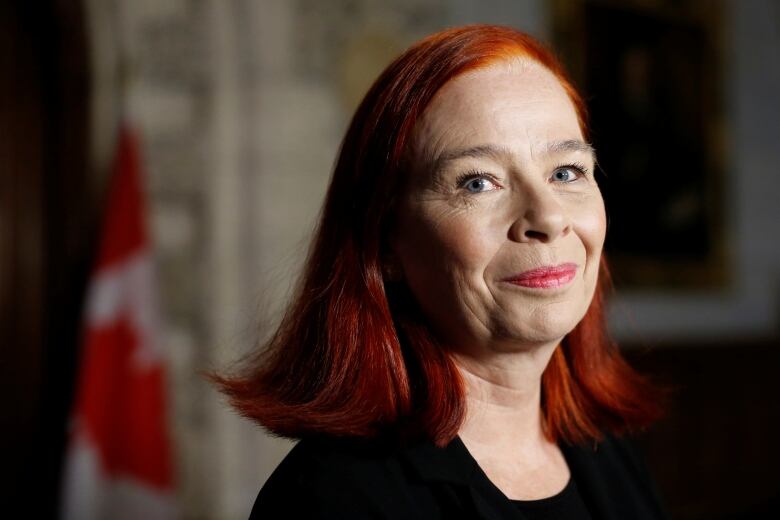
[511, 103]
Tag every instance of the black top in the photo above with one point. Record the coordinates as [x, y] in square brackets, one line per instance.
[566, 504]
[328, 478]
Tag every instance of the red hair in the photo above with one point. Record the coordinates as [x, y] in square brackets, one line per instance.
[352, 356]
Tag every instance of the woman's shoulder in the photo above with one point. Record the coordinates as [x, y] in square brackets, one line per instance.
[612, 474]
[618, 454]
[326, 459]
[336, 478]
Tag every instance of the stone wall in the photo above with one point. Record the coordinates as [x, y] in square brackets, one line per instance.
[241, 106]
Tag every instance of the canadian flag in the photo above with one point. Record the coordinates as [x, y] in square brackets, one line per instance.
[118, 462]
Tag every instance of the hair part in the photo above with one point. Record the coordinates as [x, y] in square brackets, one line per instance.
[352, 355]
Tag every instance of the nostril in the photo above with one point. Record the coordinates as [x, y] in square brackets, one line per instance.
[537, 235]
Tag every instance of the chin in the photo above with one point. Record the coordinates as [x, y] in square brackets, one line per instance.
[552, 327]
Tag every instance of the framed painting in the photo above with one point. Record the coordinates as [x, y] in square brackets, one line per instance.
[650, 72]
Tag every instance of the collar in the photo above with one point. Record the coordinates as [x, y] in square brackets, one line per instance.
[454, 465]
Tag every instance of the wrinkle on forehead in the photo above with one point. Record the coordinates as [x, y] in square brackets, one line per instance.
[430, 136]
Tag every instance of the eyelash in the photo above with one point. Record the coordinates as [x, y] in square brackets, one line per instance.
[474, 174]
[463, 178]
[574, 166]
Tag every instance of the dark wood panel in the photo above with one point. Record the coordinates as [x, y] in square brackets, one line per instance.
[716, 455]
[47, 221]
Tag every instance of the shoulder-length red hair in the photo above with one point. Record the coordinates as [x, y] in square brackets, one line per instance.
[348, 359]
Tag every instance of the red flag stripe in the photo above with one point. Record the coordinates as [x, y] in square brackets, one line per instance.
[119, 454]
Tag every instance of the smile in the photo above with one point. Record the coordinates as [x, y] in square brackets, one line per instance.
[545, 277]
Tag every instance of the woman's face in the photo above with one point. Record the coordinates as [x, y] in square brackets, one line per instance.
[501, 226]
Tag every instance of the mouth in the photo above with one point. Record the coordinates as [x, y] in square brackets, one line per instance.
[549, 276]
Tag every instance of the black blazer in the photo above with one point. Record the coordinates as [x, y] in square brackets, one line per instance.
[328, 478]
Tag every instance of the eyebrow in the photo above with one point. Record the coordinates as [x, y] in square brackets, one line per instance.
[499, 152]
[570, 145]
[485, 150]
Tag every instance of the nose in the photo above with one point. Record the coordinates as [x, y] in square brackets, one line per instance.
[541, 218]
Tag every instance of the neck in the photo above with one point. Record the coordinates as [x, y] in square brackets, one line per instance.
[503, 428]
[503, 397]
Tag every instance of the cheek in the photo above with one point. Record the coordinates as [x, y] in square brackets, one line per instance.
[455, 243]
[590, 221]
[464, 245]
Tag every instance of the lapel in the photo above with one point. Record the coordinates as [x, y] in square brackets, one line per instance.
[454, 467]
[606, 484]
[613, 481]
[590, 478]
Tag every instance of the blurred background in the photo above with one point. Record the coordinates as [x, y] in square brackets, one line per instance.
[237, 108]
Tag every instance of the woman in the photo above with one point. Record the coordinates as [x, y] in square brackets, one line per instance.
[445, 353]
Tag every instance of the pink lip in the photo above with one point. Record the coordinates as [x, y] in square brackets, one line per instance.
[546, 276]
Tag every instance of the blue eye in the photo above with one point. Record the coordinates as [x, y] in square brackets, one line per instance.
[476, 183]
[568, 173]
